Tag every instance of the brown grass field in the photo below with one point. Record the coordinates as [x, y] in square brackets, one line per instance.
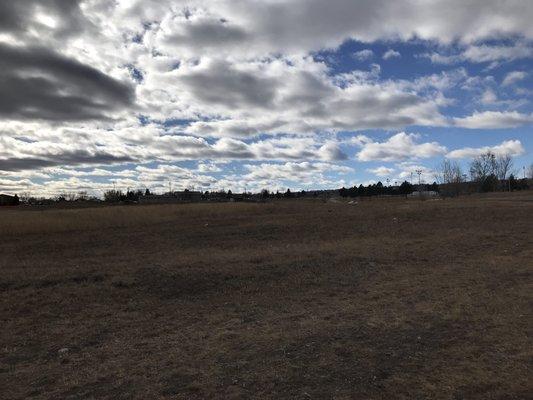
[384, 299]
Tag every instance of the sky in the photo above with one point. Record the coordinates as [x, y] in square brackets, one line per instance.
[252, 94]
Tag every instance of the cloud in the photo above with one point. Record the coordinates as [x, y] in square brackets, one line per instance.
[364, 55]
[38, 83]
[513, 77]
[381, 171]
[258, 28]
[291, 171]
[179, 177]
[240, 128]
[401, 146]
[87, 84]
[488, 53]
[291, 96]
[494, 120]
[295, 174]
[208, 167]
[200, 32]
[36, 18]
[218, 82]
[484, 53]
[391, 54]
[331, 151]
[72, 158]
[508, 147]
[489, 97]
[56, 147]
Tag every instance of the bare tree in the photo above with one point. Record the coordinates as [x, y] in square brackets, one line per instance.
[448, 172]
[26, 196]
[504, 165]
[450, 176]
[70, 196]
[483, 170]
[82, 196]
[483, 166]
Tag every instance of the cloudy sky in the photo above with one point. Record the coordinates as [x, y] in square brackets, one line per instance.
[234, 94]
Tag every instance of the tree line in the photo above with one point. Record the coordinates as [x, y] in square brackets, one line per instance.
[488, 172]
[378, 189]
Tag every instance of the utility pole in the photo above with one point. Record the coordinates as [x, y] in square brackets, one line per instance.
[419, 172]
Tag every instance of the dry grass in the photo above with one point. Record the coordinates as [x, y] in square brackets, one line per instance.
[296, 300]
[52, 220]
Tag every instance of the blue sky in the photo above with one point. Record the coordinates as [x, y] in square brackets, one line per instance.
[244, 94]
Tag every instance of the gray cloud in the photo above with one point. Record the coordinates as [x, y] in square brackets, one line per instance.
[19, 16]
[208, 33]
[68, 158]
[221, 83]
[38, 83]
[299, 26]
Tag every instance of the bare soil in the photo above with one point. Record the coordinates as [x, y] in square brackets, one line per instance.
[383, 299]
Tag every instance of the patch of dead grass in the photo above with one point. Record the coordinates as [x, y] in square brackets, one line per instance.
[296, 300]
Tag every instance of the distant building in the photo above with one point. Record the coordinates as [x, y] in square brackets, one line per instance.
[7, 200]
[423, 193]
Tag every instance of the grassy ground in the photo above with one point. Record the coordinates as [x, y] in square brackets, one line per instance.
[288, 300]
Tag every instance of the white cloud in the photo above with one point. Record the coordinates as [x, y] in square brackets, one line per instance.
[489, 97]
[364, 55]
[208, 167]
[484, 53]
[297, 174]
[391, 54]
[399, 147]
[487, 53]
[508, 147]
[381, 171]
[437, 58]
[513, 77]
[178, 177]
[494, 120]
[359, 140]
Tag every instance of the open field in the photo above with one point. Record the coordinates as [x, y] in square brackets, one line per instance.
[286, 300]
